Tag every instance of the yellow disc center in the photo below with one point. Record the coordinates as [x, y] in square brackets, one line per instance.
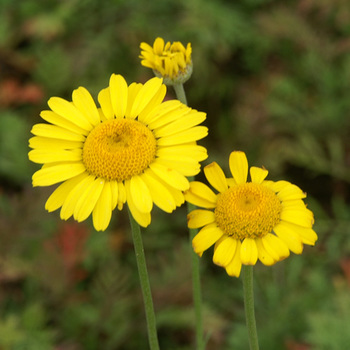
[119, 149]
[247, 211]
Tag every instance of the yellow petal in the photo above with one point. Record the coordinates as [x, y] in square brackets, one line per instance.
[140, 194]
[155, 101]
[46, 143]
[63, 122]
[186, 136]
[42, 156]
[263, 255]
[88, 200]
[231, 182]
[235, 266]
[294, 204]
[57, 173]
[177, 194]
[114, 189]
[197, 152]
[249, 252]
[258, 175]
[143, 219]
[205, 238]
[69, 111]
[83, 100]
[170, 176]
[147, 63]
[224, 250]
[121, 195]
[133, 90]
[216, 177]
[303, 216]
[102, 212]
[118, 89]
[307, 235]
[59, 195]
[203, 191]
[145, 46]
[104, 99]
[275, 247]
[148, 91]
[187, 121]
[291, 192]
[186, 166]
[194, 196]
[164, 113]
[289, 237]
[167, 113]
[56, 132]
[239, 166]
[276, 186]
[199, 218]
[159, 193]
[158, 46]
[73, 197]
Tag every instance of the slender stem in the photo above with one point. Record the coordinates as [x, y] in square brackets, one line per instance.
[180, 93]
[249, 306]
[145, 285]
[196, 281]
[196, 289]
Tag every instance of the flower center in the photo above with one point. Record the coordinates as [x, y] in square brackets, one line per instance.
[118, 149]
[247, 211]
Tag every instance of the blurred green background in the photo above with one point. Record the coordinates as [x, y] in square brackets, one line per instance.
[274, 79]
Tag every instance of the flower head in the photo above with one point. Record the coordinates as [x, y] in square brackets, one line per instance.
[248, 221]
[135, 149]
[170, 61]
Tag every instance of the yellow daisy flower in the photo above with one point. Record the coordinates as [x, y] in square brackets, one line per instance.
[135, 149]
[254, 220]
[171, 61]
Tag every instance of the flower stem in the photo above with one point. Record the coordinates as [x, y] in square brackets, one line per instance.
[145, 285]
[196, 289]
[249, 306]
[180, 93]
[196, 281]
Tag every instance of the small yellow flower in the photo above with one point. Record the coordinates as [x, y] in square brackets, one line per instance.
[135, 149]
[170, 61]
[254, 220]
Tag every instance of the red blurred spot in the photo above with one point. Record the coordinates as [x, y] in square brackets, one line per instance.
[345, 266]
[293, 345]
[12, 92]
[69, 244]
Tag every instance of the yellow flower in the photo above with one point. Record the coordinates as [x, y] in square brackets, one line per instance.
[171, 61]
[135, 149]
[254, 220]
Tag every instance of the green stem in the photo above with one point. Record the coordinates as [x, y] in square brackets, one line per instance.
[196, 281]
[196, 289]
[180, 93]
[145, 285]
[249, 306]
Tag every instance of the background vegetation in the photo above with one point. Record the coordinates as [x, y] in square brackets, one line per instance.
[274, 79]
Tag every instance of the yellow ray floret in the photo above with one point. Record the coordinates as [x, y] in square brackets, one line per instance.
[248, 221]
[172, 61]
[134, 148]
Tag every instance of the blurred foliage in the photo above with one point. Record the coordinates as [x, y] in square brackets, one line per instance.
[27, 330]
[274, 79]
[329, 325]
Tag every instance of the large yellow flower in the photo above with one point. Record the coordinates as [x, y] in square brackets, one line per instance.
[135, 149]
[254, 220]
[171, 61]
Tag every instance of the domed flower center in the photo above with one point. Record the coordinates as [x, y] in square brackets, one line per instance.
[247, 211]
[119, 149]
